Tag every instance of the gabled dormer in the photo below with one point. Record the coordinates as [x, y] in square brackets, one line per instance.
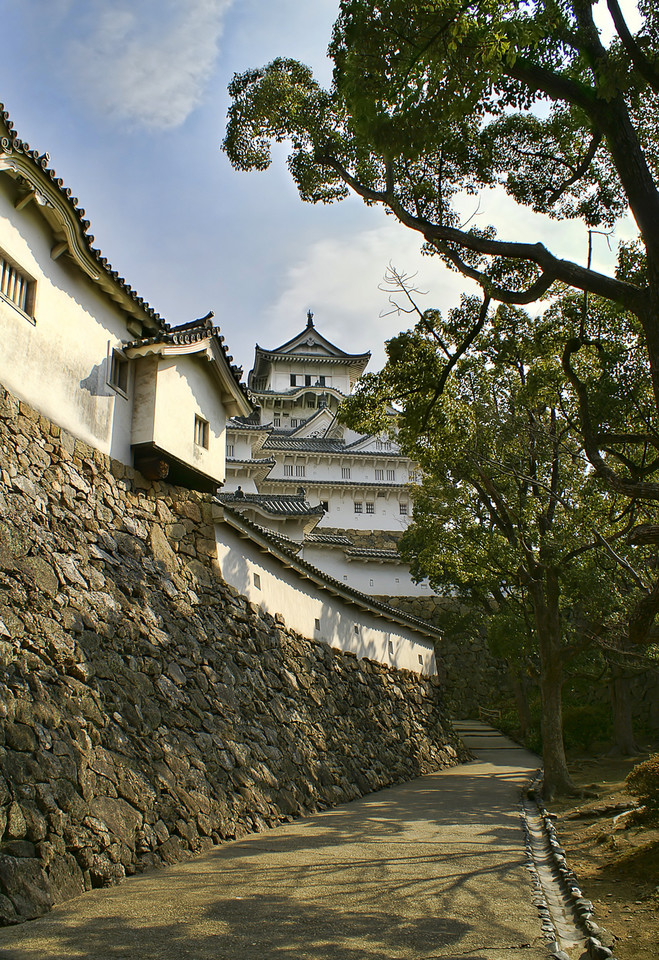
[308, 360]
[185, 389]
[317, 425]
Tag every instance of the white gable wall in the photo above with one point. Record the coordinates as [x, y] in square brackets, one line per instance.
[60, 364]
[341, 513]
[368, 576]
[185, 389]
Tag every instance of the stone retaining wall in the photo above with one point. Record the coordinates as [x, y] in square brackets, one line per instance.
[148, 710]
[468, 671]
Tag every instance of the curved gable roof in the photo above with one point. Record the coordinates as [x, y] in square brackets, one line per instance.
[58, 206]
[308, 345]
[199, 336]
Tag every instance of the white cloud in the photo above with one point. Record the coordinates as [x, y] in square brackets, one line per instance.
[148, 62]
[338, 279]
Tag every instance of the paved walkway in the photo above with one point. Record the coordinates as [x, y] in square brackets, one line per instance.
[430, 869]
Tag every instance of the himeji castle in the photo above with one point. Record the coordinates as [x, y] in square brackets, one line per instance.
[340, 498]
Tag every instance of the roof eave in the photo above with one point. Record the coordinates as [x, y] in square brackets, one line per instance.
[61, 216]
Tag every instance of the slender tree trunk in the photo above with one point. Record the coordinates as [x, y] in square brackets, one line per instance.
[651, 327]
[519, 683]
[545, 594]
[621, 705]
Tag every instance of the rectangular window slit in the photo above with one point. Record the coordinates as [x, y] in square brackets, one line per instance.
[201, 431]
[119, 372]
[16, 287]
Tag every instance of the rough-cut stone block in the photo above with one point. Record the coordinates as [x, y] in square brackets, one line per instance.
[162, 551]
[26, 885]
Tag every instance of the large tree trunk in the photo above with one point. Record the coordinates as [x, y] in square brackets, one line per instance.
[545, 595]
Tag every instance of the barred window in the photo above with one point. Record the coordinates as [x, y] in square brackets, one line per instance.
[391, 474]
[229, 449]
[118, 378]
[288, 469]
[359, 507]
[379, 475]
[403, 508]
[300, 470]
[16, 286]
[370, 508]
[345, 473]
[201, 431]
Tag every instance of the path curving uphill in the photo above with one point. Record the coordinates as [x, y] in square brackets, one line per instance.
[436, 868]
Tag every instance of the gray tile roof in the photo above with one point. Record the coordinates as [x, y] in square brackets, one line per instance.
[352, 484]
[245, 423]
[329, 538]
[334, 586]
[315, 444]
[371, 553]
[277, 441]
[282, 505]
[193, 332]
[251, 462]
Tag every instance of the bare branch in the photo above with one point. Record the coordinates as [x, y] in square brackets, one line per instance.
[644, 66]
[568, 272]
[453, 359]
[630, 488]
[580, 170]
[621, 561]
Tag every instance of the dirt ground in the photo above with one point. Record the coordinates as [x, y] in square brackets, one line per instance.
[616, 859]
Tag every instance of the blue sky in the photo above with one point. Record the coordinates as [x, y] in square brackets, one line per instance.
[129, 99]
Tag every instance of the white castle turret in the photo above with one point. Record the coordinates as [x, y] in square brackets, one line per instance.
[358, 486]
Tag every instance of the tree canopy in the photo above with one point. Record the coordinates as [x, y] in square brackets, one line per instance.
[509, 511]
[433, 98]
[513, 420]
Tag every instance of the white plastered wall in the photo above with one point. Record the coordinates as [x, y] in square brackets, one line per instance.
[314, 612]
[185, 387]
[60, 364]
[367, 576]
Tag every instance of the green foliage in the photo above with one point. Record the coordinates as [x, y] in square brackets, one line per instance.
[583, 725]
[509, 724]
[511, 418]
[435, 99]
[643, 782]
[586, 724]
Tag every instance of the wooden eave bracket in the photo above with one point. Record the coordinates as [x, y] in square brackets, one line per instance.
[23, 202]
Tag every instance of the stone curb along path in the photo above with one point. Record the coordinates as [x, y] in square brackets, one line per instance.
[566, 915]
[565, 912]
